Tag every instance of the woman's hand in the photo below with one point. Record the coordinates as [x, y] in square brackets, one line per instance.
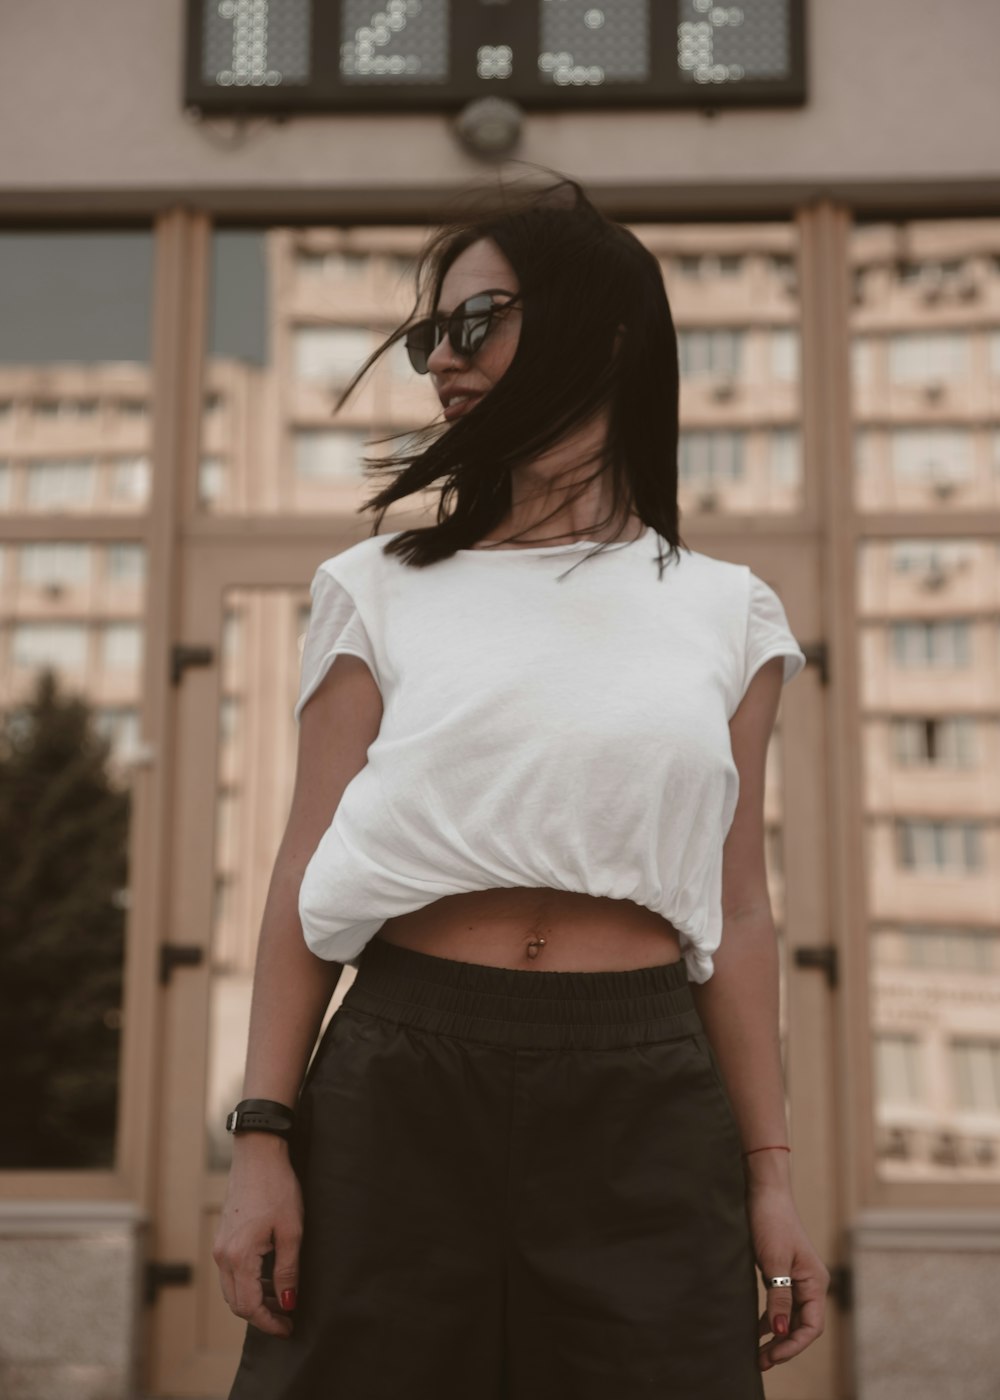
[781, 1246]
[262, 1212]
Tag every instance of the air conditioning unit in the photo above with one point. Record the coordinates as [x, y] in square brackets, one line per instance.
[945, 1149]
[934, 578]
[931, 282]
[984, 1152]
[943, 488]
[708, 500]
[724, 389]
[967, 286]
[53, 588]
[934, 389]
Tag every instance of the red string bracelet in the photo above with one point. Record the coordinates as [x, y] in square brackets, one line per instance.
[768, 1149]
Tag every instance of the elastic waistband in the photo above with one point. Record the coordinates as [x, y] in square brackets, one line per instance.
[521, 1008]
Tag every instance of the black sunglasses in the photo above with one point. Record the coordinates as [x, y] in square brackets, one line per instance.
[467, 327]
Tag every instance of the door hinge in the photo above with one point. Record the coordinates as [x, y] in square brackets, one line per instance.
[841, 1286]
[178, 955]
[182, 656]
[165, 1276]
[824, 956]
[816, 654]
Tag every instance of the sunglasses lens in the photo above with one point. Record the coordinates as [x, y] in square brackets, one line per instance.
[468, 326]
[420, 345]
[473, 335]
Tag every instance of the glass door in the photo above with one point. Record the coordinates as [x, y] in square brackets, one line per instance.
[249, 607]
[246, 612]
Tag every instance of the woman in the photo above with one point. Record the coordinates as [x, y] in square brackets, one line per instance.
[542, 1142]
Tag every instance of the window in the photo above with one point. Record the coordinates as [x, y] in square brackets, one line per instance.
[925, 845]
[121, 646]
[935, 743]
[710, 455]
[55, 484]
[945, 644]
[784, 451]
[332, 264]
[232, 637]
[917, 357]
[710, 352]
[898, 1078]
[923, 557]
[785, 355]
[951, 950]
[331, 353]
[862, 359]
[126, 563]
[328, 453]
[213, 476]
[229, 717]
[130, 479]
[932, 454]
[58, 564]
[976, 1074]
[75, 340]
[61, 645]
[120, 726]
[927, 649]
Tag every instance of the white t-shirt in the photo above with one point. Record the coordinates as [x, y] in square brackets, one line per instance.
[543, 728]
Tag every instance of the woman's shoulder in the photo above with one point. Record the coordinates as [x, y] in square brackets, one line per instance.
[358, 561]
[708, 570]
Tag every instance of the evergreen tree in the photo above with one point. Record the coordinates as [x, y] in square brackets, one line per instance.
[64, 836]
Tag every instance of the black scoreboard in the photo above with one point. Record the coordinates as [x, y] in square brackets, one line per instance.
[256, 56]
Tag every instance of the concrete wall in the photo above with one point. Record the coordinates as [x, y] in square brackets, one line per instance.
[903, 91]
[70, 1277]
[926, 1290]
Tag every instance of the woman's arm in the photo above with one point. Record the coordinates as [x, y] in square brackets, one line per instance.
[738, 1005]
[291, 991]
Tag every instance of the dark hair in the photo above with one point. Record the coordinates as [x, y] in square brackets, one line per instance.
[581, 275]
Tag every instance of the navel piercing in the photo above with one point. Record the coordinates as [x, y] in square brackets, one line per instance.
[533, 946]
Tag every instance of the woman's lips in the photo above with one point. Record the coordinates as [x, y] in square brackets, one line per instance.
[454, 409]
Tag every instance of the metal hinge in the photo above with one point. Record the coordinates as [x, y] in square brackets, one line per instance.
[841, 1286]
[816, 654]
[182, 656]
[178, 955]
[824, 956]
[165, 1276]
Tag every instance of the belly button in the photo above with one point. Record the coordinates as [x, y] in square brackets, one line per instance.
[533, 946]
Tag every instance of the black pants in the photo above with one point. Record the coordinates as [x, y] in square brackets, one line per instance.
[518, 1185]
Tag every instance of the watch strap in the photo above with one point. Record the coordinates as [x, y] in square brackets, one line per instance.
[261, 1116]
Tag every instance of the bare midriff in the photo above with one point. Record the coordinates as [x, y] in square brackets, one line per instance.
[541, 929]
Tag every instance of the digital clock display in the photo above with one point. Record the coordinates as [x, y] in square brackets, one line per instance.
[328, 55]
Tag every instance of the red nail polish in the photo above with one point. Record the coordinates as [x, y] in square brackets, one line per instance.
[288, 1297]
[781, 1324]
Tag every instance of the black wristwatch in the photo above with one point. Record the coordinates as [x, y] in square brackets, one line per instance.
[261, 1116]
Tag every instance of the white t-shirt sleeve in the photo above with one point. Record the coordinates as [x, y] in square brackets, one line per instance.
[768, 635]
[335, 629]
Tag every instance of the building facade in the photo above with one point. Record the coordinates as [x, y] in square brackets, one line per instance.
[182, 299]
